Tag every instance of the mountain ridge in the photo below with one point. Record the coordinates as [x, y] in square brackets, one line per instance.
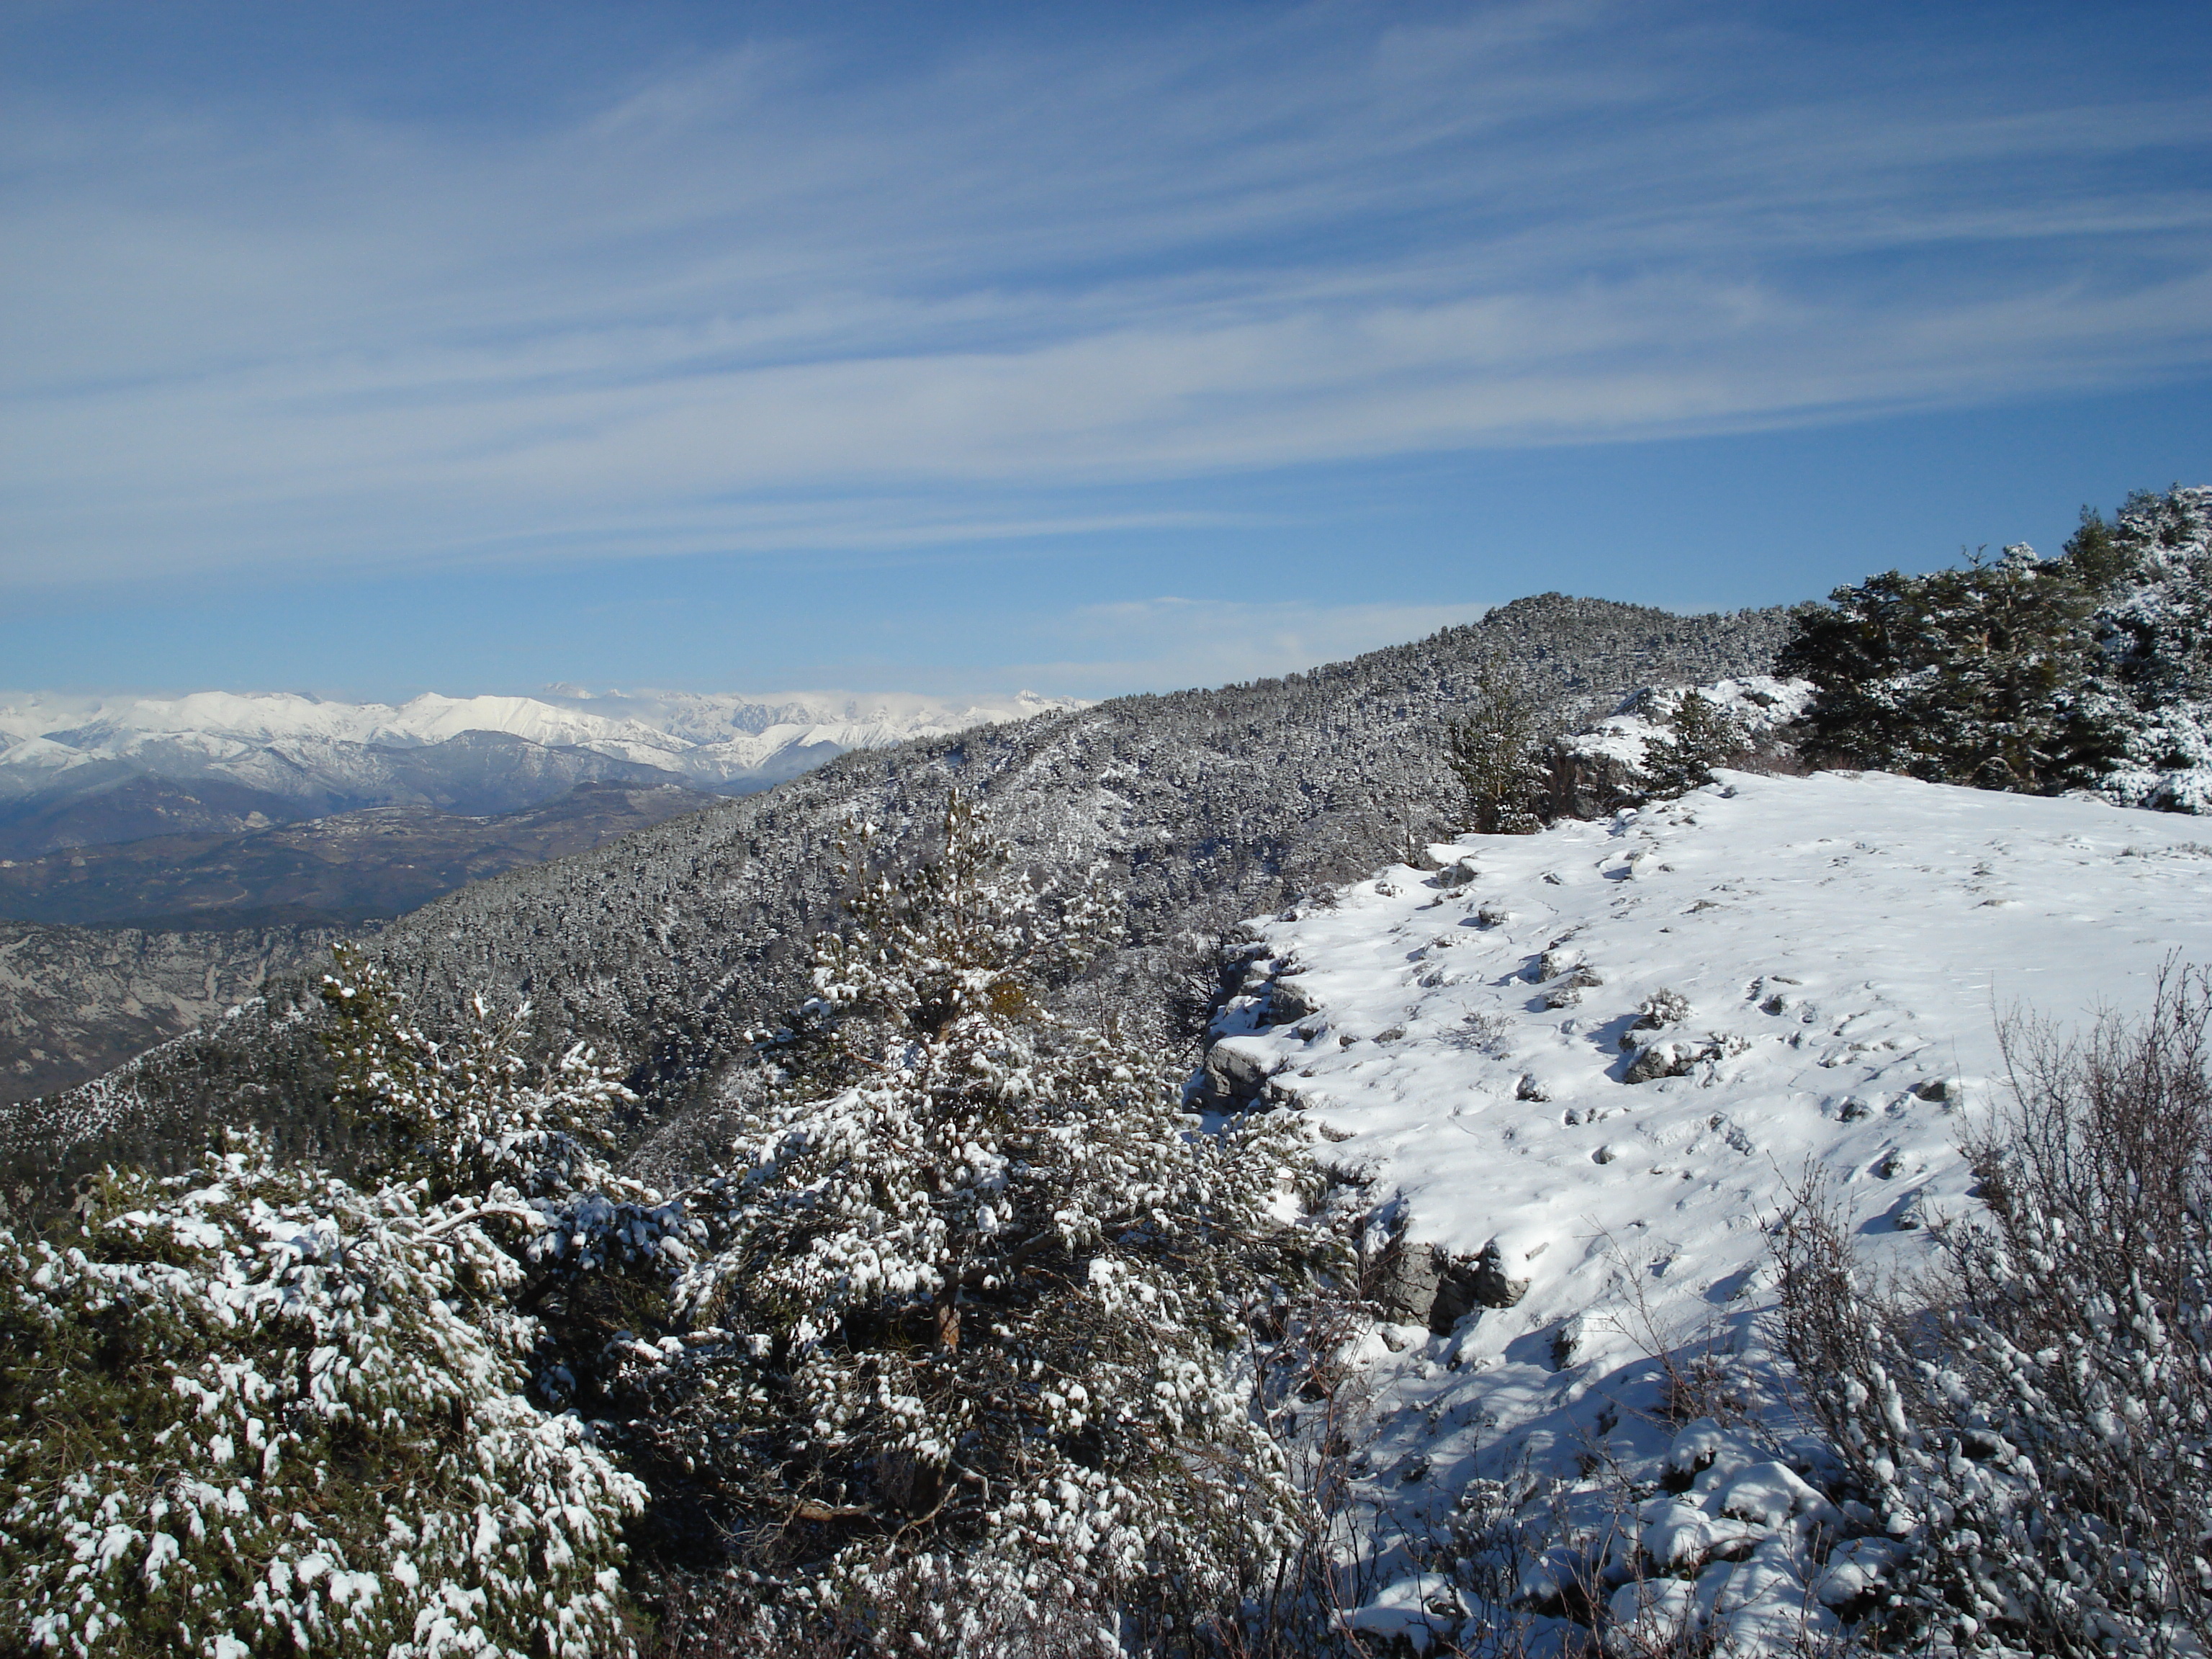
[86, 770]
[666, 947]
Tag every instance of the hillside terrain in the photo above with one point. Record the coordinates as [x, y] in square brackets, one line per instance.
[668, 946]
[380, 861]
[77, 1001]
[1635, 1233]
[1576, 1077]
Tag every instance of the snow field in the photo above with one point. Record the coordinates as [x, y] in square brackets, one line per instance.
[1590, 1066]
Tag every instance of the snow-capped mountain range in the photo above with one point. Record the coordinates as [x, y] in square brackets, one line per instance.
[82, 769]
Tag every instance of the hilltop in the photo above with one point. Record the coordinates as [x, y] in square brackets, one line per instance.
[1575, 1077]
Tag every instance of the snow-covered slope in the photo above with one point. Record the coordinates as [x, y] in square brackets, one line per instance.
[301, 757]
[1759, 705]
[1588, 1067]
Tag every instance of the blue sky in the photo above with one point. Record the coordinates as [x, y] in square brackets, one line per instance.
[365, 350]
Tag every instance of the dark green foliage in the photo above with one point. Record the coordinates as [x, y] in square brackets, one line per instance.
[258, 1411]
[1495, 752]
[978, 1288]
[2100, 555]
[1984, 675]
[462, 1114]
[1699, 737]
[2157, 637]
[2092, 670]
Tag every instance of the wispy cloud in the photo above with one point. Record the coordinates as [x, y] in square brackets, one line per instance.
[1158, 644]
[787, 298]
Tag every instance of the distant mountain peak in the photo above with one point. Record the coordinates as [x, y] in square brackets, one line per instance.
[63, 755]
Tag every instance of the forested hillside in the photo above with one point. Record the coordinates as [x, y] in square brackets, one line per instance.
[1206, 805]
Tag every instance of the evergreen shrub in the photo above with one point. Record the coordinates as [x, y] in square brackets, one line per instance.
[973, 1333]
[2033, 1430]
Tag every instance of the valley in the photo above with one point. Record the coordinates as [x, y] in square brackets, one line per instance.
[334, 872]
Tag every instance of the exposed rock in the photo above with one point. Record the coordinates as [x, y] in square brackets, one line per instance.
[1562, 957]
[1569, 991]
[1567, 1342]
[1582, 784]
[1428, 1283]
[75, 1001]
[1236, 1072]
[1288, 1002]
[1493, 1287]
[1678, 1058]
[1658, 1060]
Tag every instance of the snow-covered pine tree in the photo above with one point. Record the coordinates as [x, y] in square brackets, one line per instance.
[2156, 641]
[1984, 675]
[970, 1337]
[472, 1119]
[1494, 750]
[259, 1409]
[255, 1410]
[1700, 736]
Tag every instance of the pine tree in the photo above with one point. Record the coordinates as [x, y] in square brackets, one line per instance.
[256, 1410]
[1493, 750]
[980, 1286]
[473, 1120]
[1700, 736]
[2155, 637]
[1985, 675]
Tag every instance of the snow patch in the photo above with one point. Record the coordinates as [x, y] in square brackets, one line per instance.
[1826, 961]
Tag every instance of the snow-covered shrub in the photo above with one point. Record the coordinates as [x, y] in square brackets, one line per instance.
[978, 1294]
[256, 1410]
[2038, 1435]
